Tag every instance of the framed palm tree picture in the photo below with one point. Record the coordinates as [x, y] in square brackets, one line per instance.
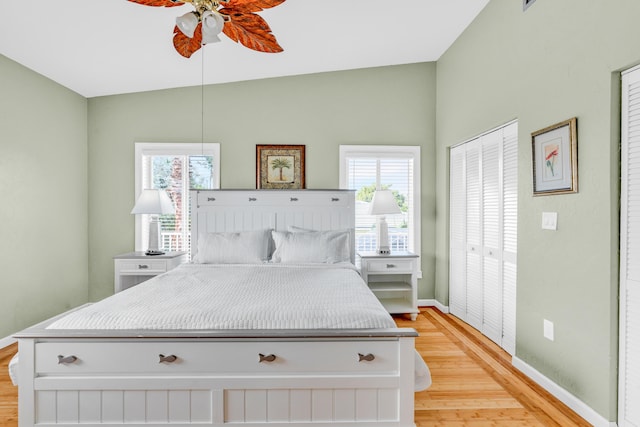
[280, 166]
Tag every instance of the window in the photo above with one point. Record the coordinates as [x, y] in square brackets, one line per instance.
[177, 168]
[397, 168]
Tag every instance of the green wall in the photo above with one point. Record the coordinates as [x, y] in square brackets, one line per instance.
[43, 198]
[558, 60]
[388, 105]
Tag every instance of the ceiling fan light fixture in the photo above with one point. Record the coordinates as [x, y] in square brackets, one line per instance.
[187, 23]
[238, 19]
[212, 24]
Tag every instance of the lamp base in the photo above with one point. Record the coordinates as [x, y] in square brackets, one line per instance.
[152, 253]
[154, 237]
[383, 237]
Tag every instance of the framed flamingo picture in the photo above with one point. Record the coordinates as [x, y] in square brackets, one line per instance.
[555, 158]
[280, 166]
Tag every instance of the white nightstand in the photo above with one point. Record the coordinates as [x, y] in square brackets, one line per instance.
[393, 279]
[136, 267]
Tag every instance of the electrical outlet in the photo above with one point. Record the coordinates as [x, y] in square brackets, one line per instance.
[548, 329]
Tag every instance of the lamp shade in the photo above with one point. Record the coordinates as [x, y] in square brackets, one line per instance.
[155, 202]
[187, 23]
[212, 24]
[383, 203]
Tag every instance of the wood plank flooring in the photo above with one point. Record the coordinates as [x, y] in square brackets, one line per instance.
[8, 392]
[474, 383]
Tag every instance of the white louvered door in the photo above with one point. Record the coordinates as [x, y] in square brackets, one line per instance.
[492, 236]
[483, 234]
[474, 233]
[458, 236]
[509, 235]
[629, 369]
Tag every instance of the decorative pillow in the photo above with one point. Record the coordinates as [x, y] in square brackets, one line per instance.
[311, 246]
[245, 247]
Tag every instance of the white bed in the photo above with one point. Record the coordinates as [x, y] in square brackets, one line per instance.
[297, 342]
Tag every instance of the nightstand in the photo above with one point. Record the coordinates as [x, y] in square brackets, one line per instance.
[135, 267]
[393, 278]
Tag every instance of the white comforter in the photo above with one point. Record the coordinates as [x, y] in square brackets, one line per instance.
[269, 296]
[211, 296]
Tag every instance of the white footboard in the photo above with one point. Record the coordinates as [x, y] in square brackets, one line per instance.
[274, 379]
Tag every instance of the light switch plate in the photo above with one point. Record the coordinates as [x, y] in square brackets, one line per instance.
[547, 329]
[549, 220]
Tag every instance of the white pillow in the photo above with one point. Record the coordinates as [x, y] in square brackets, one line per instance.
[246, 247]
[311, 246]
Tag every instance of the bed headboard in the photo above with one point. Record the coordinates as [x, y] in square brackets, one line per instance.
[215, 211]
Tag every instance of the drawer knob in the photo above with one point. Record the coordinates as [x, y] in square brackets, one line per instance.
[267, 358]
[335, 199]
[365, 357]
[391, 266]
[252, 199]
[62, 360]
[167, 359]
[143, 266]
[294, 199]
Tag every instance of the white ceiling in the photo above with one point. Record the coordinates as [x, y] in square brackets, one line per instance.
[104, 47]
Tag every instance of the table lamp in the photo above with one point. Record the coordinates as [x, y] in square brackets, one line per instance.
[153, 203]
[383, 203]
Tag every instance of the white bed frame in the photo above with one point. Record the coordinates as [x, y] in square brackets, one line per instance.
[272, 378]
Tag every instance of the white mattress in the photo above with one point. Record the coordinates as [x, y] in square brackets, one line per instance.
[268, 296]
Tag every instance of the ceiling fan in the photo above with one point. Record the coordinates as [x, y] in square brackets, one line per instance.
[237, 19]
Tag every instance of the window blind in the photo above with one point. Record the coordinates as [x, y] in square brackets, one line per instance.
[390, 169]
[175, 168]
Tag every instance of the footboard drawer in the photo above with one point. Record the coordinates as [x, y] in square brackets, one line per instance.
[237, 357]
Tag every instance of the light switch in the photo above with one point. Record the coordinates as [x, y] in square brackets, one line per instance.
[547, 329]
[549, 220]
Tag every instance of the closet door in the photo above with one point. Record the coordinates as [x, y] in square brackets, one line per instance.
[458, 235]
[473, 227]
[492, 236]
[629, 364]
[483, 234]
[509, 235]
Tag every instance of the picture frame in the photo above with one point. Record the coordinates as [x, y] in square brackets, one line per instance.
[555, 158]
[526, 4]
[280, 166]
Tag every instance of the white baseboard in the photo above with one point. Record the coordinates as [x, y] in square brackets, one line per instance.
[563, 395]
[7, 341]
[433, 303]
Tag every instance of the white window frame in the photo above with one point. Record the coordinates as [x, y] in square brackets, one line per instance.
[168, 149]
[389, 151]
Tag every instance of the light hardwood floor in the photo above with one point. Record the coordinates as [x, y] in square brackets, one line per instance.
[474, 383]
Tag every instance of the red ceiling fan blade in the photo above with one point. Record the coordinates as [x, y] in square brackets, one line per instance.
[159, 3]
[187, 46]
[251, 5]
[250, 30]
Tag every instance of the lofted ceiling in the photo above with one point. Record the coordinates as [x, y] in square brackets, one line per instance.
[105, 47]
